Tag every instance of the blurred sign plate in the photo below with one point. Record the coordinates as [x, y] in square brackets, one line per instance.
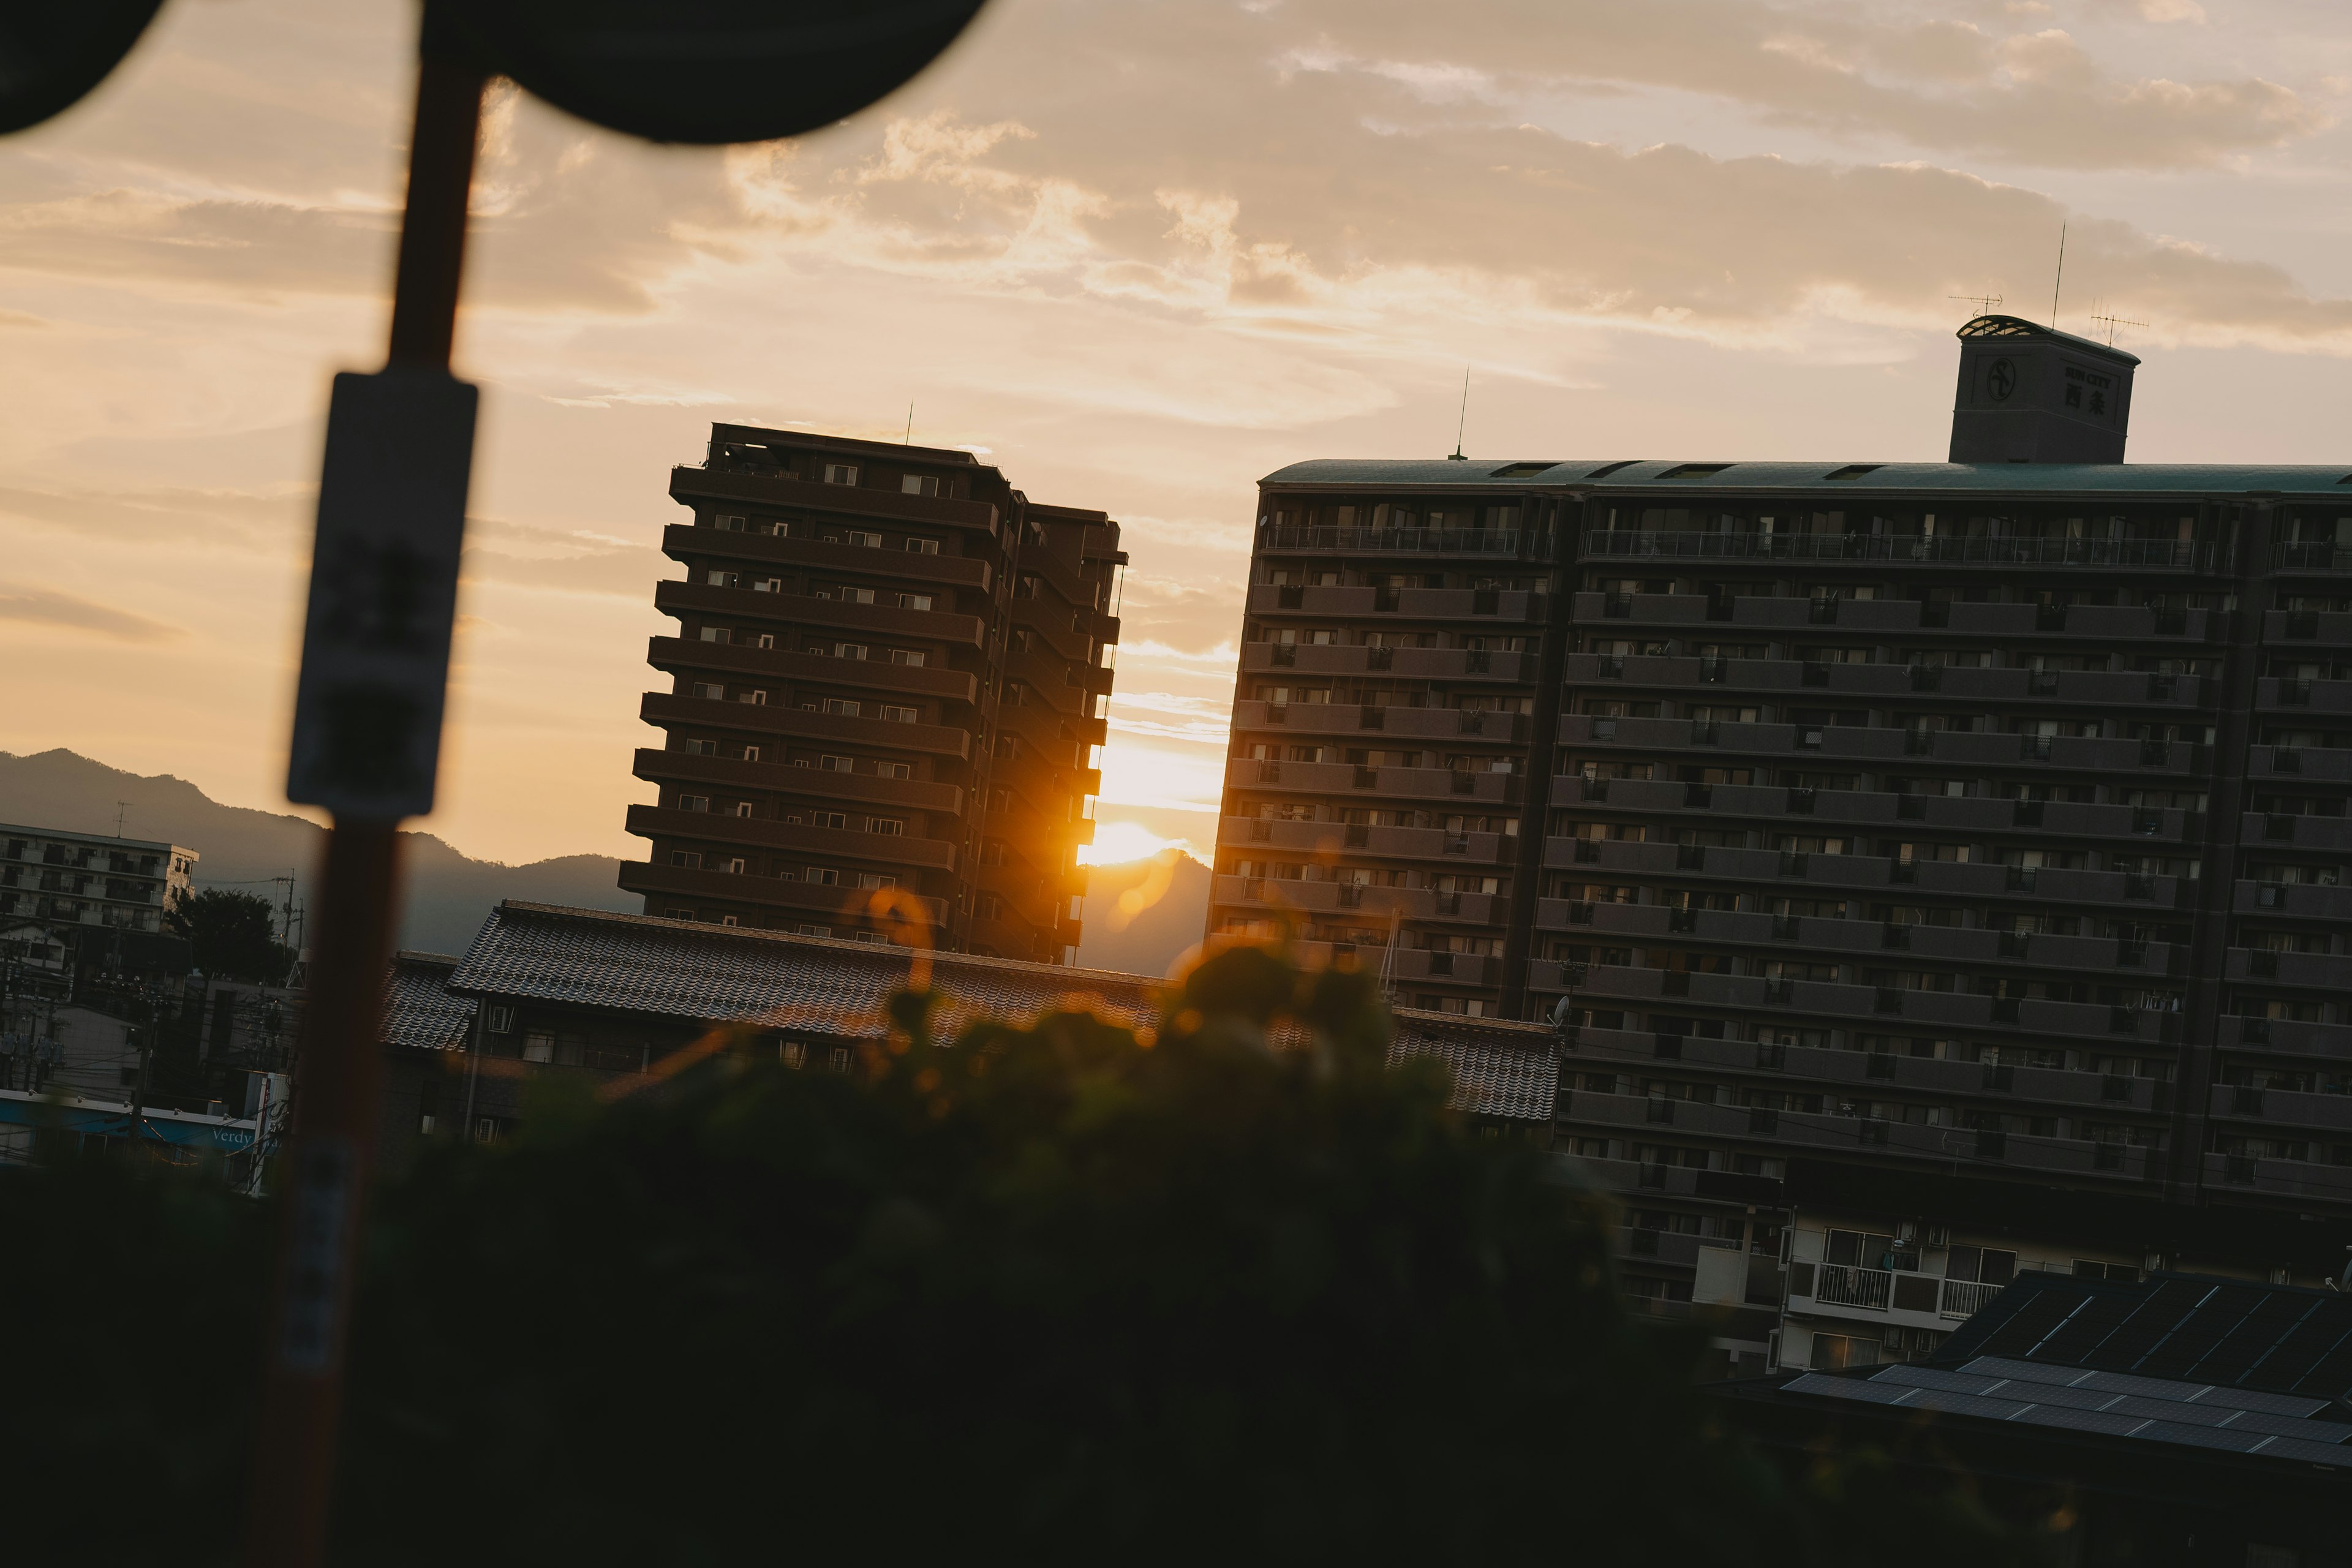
[384, 594]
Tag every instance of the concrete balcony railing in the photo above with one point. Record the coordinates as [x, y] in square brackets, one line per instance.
[1507, 606]
[838, 617]
[1448, 725]
[2287, 1038]
[2298, 971]
[1353, 842]
[1461, 790]
[2317, 697]
[851, 674]
[2321, 628]
[1349, 900]
[833, 554]
[840, 902]
[1402, 663]
[864, 789]
[692, 483]
[2309, 900]
[768, 834]
[2331, 834]
[2332, 763]
[2330, 1115]
[774, 719]
[2226, 1174]
[2105, 624]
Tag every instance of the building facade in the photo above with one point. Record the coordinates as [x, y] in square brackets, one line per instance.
[887, 690]
[1977, 821]
[90, 878]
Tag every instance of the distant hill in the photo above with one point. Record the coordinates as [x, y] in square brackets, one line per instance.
[1149, 939]
[449, 894]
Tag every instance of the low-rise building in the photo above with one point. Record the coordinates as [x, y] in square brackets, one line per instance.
[90, 878]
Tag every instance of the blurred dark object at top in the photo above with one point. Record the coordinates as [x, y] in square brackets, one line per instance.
[51, 54]
[711, 71]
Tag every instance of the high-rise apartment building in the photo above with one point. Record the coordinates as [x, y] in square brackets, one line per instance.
[1904, 821]
[888, 680]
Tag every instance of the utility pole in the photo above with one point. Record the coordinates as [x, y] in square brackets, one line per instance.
[138, 1129]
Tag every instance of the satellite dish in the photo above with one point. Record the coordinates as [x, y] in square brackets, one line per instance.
[52, 55]
[711, 71]
[1560, 1013]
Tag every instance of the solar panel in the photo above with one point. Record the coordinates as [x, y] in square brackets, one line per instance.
[2030, 1323]
[2229, 1358]
[2199, 1331]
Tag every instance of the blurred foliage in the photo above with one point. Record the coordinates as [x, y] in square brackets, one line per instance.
[1053, 1291]
[231, 935]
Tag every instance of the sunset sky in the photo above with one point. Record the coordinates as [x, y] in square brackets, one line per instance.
[1139, 253]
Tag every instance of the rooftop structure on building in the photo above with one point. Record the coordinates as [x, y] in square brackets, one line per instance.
[1928, 835]
[888, 689]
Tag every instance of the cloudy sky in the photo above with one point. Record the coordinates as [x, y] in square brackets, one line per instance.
[1138, 252]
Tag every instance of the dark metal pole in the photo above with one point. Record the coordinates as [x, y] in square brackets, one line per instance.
[338, 1066]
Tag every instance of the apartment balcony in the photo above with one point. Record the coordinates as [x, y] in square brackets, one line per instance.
[2320, 697]
[2128, 555]
[1480, 542]
[2285, 1110]
[1353, 719]
[771, 892]
[2324, 764]
[774, 719]
[2324, 627]
[1374, 905]
[2321, 558]
[1355, 843]
[1491, 606]
[2306, 899]
[2230, 1176]
[778, 778]
[2287, 1038]
[1461, 790]
[1452, 664]
[2300, 971]
[685, 542]
[2101, 624]
[782, 492]
[833, 617]
[936, 682]
[1877, 1295]
[2330, 835]
[768, 833]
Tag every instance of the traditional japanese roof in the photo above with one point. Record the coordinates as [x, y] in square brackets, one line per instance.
[700, 973]
[2258, 1370]
[420, 1013]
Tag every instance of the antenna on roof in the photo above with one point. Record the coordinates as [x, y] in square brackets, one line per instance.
[1461, 423]
[2112, 322]
[119, 807]
[2055, 283]
[908, 438]
[1986, 304]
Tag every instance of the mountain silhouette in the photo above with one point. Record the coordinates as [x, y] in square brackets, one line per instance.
[1173, 890]
[447, 895]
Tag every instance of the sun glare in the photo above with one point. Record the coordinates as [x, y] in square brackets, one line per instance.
[1118, 842]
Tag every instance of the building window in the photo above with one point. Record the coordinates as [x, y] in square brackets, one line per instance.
[909, 656]
[923, 546]
[716, 634]
[890, 827]
[911, 601]
[848, 651]
[899, 715]
[876, 880]
[841, 473]
[731, 524]
[694, 802]
[690, 860]
[822, 876]
[866, 541]
[919, 485]
[710, 690]
[842, 705]
[539, 1046]
[679, 914]
[500, 1021]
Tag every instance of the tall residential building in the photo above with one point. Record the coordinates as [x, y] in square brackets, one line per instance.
[90, 879]
[1901, 822]
[890, 672]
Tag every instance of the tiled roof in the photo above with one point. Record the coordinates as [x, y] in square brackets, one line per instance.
[688, 970]
[419, 1011]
